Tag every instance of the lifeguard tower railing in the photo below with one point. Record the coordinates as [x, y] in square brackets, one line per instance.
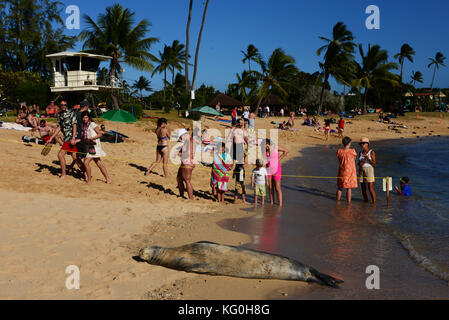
[80, 79]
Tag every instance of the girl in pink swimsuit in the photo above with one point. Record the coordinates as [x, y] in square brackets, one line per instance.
[274, 170]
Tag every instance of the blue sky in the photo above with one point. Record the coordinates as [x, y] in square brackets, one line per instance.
[294, 25]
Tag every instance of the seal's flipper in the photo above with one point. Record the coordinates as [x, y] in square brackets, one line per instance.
[325, 279]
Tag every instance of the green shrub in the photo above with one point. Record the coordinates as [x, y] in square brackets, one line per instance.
[134, 108]
[195, 116]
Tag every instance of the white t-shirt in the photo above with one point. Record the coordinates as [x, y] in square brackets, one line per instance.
[259, 176]
[245, 114]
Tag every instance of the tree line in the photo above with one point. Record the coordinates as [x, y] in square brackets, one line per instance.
[31, 29]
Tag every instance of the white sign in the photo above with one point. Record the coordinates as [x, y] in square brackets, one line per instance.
[192, 94]
[390, 184]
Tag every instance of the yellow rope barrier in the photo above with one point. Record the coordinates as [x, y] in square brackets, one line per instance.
[196, 167]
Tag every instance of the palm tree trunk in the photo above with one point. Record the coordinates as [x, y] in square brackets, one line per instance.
[364, 100]
[173, 82]
[165, 80]
[111, 77]
[259, 102]
[320, 107]
[433, 78]
[249, 65]
[195, 68]
[402, 69]
[186, 67]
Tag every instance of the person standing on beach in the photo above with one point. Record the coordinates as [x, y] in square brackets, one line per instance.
[367, 162]
[187, 166]
[239, 137]
[347, 173]
[274, 169]
[163, 136]
[246, 118]
[259, 179]
[239, 175]
[221, 172]
[291, 120]
[341, 127]
[327, 129]
[91, 132]
[234, 116]
[252, 121]
[68, 125]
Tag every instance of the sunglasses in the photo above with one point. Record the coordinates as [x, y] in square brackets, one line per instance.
[62, 105]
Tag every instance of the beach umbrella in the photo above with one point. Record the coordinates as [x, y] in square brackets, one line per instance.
[205, 110]
[119, 116]
[209, 111]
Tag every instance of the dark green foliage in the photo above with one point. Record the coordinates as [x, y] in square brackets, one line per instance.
[134, 108]
[29, 30]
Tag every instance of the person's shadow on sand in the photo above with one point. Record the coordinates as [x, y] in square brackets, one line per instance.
[159, 187]
[143, 169]
[57, 171]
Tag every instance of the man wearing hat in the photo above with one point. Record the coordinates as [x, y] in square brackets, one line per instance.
[367, 162]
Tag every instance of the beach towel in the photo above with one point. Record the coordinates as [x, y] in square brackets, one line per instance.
[14, 126]
[220, 171]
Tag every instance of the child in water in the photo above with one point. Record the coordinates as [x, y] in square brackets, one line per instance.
[405, 190]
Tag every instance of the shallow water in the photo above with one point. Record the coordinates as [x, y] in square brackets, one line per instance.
[409, 241]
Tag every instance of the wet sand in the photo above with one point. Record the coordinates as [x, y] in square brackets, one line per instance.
[336, 238]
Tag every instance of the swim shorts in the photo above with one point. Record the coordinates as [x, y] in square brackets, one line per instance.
[367, 175]
[67, 146]
[260, 191]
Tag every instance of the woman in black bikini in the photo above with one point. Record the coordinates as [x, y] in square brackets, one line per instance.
[163, 137]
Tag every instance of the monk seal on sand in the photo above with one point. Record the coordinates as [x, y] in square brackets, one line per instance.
[215, 259]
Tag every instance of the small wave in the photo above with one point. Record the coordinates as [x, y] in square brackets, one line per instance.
[420, 259]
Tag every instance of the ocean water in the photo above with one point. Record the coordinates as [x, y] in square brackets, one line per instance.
[408, 241]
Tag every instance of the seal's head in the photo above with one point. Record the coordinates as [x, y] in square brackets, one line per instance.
[150, 254]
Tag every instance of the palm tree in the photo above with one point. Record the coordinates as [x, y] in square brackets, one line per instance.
[141, 85]
[163, 64]
[186, 62]
[247, 80]
[251, 54]
[338, 57]
[195, 68]
[277, 75]
[177, 56]
[406, 52]
[374, 70]
[115, 35]
[416, 77]
[436, 62]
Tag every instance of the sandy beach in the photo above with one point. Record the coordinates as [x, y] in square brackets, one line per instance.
[48, 224]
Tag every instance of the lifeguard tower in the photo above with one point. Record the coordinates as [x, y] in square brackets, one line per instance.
[77, 72]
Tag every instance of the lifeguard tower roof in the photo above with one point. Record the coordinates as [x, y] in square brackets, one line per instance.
[77, 72]
[77, 54]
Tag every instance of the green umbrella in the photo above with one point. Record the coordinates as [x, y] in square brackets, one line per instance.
[208, 111]
[119, 116]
